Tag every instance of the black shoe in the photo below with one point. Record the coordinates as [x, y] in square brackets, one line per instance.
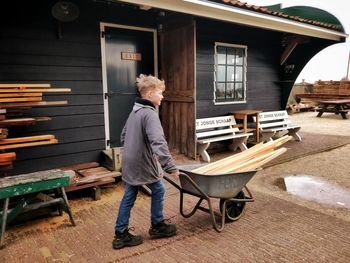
[162, 230]
[126, 239]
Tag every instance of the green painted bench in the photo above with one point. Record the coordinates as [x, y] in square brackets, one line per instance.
[28, 187]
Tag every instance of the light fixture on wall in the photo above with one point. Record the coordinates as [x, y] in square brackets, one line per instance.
[64, 11]
[288, 69]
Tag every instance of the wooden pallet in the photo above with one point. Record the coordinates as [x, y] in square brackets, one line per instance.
[90, 175]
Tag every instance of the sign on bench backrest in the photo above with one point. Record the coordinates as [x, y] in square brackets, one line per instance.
[273, 115]
[215, 122]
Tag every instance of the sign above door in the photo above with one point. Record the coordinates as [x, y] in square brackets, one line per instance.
[131, 56]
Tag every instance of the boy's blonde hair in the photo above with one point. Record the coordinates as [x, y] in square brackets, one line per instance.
[146, 83]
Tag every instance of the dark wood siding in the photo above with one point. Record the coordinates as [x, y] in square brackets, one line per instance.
[34, 50]
[263, 69]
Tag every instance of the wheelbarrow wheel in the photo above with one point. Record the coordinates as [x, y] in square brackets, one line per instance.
[234, 209]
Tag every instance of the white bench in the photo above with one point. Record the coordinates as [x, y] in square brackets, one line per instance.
[218, 129]
[272, 123]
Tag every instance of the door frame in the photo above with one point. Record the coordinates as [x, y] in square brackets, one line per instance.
[103, 25]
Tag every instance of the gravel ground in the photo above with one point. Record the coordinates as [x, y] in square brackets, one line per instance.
[328, 168]
[328, 124]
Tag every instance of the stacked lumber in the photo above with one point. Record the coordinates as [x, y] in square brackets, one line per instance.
[14, 98]
[314, 98]
[28, 141]
[22, 121]
[251, 159]
[27, 95]
[3, 133]
[2, 114]
[332, 87]
[7, 158]
[21, 142]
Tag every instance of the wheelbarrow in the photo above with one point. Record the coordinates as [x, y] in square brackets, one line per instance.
[230, 188]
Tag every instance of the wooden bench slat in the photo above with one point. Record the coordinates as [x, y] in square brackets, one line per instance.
[271, 122]
[272, 115]
[216, 132]
[274, 124]
[222, 138]
[218, 129]
[215, 122]
[282, 128]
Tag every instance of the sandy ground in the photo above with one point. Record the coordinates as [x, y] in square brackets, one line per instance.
[331, 167]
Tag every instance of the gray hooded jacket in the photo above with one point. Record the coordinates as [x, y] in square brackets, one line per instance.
[146, 151]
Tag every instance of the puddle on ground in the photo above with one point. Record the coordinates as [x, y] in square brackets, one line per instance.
[315, 189]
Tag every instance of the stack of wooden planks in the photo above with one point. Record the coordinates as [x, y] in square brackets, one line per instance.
[3, 133]
[27, 95]
[251, 159]
[20, 142]
[14, 98]
[6, 159]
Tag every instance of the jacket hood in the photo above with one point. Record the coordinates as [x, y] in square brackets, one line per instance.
[142, 103]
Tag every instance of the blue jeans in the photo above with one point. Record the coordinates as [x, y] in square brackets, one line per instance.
[130, 193]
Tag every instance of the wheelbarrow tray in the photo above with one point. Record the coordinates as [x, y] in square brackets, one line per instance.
[217, 186]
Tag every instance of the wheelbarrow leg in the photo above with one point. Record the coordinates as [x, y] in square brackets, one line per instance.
[202, 196]
[182, 212]
[218, 227]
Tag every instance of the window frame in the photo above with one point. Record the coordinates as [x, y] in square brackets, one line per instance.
[244, 74]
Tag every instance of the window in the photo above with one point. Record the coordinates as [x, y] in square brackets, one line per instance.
[230, 73]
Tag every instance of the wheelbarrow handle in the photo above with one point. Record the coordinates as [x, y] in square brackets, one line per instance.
[171, 181]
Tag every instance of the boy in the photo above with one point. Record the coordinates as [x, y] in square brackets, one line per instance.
[145, 155]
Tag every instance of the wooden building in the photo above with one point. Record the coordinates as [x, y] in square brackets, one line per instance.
[215, 57]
